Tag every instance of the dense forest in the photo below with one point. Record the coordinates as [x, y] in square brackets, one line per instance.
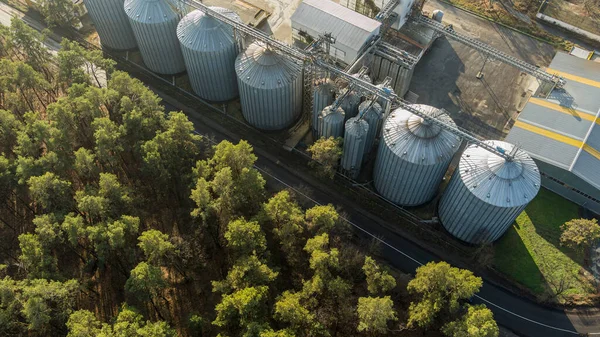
[117, 220]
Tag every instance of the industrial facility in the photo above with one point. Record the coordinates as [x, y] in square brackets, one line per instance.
[347, 76]
[562, 132]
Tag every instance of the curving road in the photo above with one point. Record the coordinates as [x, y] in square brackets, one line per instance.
[519, 315]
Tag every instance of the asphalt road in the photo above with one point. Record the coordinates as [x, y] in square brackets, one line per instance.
[517, 314]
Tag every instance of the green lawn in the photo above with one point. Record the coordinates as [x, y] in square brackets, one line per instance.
[530, 252]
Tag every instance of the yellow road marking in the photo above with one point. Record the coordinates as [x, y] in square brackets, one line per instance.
[574, 77]
[566, 110]
[591, 151]
[549, 134]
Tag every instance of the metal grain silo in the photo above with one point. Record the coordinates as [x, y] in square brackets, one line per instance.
[270, 87]
[413, 156]
[111, 23]
[209, 49]
[487, 192]
[331, 122]
[323, 96]
[355, 137]
[350, 103]
[373, 114]
[154, 24]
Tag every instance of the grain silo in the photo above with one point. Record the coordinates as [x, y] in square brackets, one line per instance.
[355, 137]
[324, 94]
[270, 87]
[209, 49]
[487, 192]
[154, 24]
[413, 156]
[111, 23]
[350, 103]
[373, 114]
[331, 122]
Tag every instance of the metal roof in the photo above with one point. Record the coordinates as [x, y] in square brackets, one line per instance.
[150, 11]
[564, 129]
[198, 31]
[350, 29]
[262, 67]
[496, 181]
[419, 142]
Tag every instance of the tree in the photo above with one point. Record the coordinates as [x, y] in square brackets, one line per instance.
[59, 12]
[245, 238]
[146, 281]
[155, 245]
[289, 308]
[83, 323]
[242, 308]
[37, 260]
[50, 192]
[374, 314]
[287, 220]
[321, 219]
[378, 280]
[580, 233]
[326, 153]
[440, 287]
[246, 272]
[478, 321]
[322, 259]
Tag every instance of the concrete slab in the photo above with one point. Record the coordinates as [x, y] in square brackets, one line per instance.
[446, 76]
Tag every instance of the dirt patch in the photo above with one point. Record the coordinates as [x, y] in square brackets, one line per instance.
[584, 14]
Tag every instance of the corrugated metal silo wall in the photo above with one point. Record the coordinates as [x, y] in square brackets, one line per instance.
[375, 120]
[158, 43]
[354, 146]
[471, 219]
[403, 182]
[350, 105]
[271, 109]
[401, 76]
[111, 23]
[331, 124]
[322, 98]
[212, 73]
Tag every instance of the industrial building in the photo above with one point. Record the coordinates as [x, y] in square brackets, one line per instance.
[352, 32]
[373, 7]
[289, 90]
[562, 132]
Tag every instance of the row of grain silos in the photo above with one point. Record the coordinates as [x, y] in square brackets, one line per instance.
[268, 83]
[485, 193]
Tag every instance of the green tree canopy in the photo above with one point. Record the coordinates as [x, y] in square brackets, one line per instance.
[375, 313]
[378, 280]
[326, 153]
[478, 321]
[155, 245]
[321, 219]
[580, 233]
[439, 287]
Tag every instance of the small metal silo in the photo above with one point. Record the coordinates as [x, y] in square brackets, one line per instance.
[350, 103]
[323, 96]
[488, 192]
[331, 122]
[270, 87]
[355, 137]
[209, 49]
[111, 23]
[373, 114]
[154, 24]
[413, 156]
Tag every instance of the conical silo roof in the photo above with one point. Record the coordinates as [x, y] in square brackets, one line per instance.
[150, 11]
[497, 181]
[417, 141]
[263, 68]
[201, 32]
